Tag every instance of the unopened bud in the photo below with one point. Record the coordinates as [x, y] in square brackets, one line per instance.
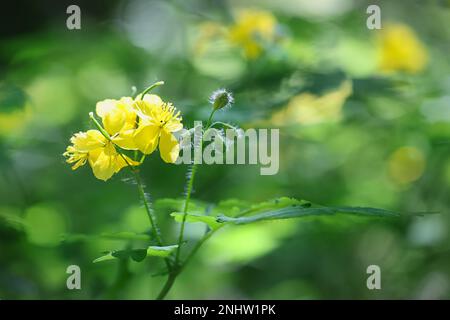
[221, 98]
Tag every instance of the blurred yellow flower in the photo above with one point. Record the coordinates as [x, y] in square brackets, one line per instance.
[406, 164]
[252, 29]
[157, 122]
[308, 108]
[401, 50]
[119, 121]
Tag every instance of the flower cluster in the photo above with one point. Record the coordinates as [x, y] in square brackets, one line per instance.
[140, 124]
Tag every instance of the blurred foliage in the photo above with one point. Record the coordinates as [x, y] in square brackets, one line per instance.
[364, 118]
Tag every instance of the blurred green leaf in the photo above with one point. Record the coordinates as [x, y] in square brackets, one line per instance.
[137, 255]
[11, 97]
[230, 207]
[10, 217]
[277, 203]
[123, 235]
[191, 217]
[178, 205]
[301, 211]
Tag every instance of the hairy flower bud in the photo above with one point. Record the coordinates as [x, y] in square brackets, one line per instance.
[221, 98]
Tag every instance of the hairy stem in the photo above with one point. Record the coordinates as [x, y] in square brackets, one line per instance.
[151, 216]
[185, 210]
[177, 267]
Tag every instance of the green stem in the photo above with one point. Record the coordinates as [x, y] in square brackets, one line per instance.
[197, 247]
[99, 126]
[156, 84]
[167, 286]
[151, 216]
[176, 267]
[185, 210]
[208, 123]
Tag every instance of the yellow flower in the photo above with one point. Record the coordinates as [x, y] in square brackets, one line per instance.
[157, 122]
[252, 29]
[119, 121]
[401, 50]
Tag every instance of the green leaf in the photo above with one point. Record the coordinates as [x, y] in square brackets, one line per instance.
[230, 207]
[278, 203]
[302, 211]
[11, 97]
[123, 235]
[12, 218]
[171, 204]
[137, 255]
[192, 218]
[161, 251]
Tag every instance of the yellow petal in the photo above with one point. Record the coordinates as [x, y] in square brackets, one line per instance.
[121, 162]
[153, 100]
[126, 104]
[103, 162]
[146, 138]
[117, 115]
[168, 147]
[173, 125]
[89, 140]
[145, 106]
[114, 121]
[125, 140]
[104, 107]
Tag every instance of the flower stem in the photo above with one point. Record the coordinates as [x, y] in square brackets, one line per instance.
[99, 126]
[208, 124]
[176, 267]
[156, 84]
[185, 210]
[151, 217]
[167, 286]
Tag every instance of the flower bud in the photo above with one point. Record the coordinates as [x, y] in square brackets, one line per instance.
[221, 98]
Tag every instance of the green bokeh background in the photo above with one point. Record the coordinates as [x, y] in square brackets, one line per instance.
[51, 78]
